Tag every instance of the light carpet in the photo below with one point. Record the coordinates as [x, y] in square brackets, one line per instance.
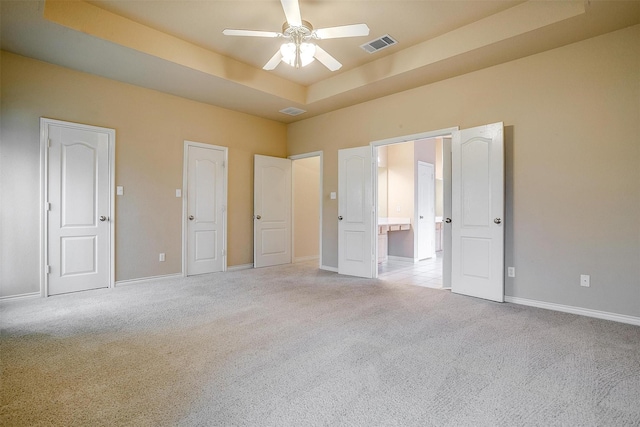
[296, 346]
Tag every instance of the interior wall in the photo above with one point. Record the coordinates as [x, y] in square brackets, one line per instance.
[150, 131]
[306, 208]
[400, 169]
[572, 141]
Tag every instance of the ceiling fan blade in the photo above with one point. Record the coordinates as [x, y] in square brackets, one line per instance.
[354, 30]
[250, 33]
[273, 62]
[327, 60]
[292, 12]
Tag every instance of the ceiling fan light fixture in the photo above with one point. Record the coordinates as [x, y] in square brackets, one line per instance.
[298, 55]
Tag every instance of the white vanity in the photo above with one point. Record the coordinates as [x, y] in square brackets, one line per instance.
[386, 225]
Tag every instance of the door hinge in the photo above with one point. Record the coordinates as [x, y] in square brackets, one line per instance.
[49, 142]
[47, 269]
[47, 207]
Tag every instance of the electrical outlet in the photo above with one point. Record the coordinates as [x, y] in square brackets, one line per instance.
[511, 271]
[162, 258]
[585, 280]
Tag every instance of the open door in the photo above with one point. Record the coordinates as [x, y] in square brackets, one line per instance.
[272, 211]
[478, 212]
[425, 212]
[356, 256]
[446, 212]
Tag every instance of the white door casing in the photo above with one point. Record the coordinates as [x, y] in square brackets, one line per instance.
[78, 204]
[478, 212]
[272, 211]
[356, 253]
[205, 216]
[425, 212]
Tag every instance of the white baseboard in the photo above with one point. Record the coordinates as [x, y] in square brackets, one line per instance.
[21, 296]
[147, 279]
[326, 267]
[240, 267]
[622, 318]
[401, 258]
[305, 258]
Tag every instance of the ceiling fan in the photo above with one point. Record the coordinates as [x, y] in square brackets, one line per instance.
[299, 50]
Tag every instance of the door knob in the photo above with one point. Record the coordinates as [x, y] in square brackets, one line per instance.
[258, 217]
[447, 220]
[421, 217]
[191, 217]
[497, 220]
[340, 218]
[103, 218]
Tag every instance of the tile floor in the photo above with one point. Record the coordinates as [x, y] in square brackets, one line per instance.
[427, 273]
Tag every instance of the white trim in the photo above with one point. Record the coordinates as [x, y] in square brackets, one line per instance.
[415, 136]
[185, 171]
[374, 174]
[320, 182]
[327, 268]
[305, 258]
[402, 259]
[30, 295]
[240, 267]
[622, 318]
[44, 185]
[147, 279]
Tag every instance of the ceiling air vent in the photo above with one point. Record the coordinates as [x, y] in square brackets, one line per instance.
[292, 111]
[379, 43]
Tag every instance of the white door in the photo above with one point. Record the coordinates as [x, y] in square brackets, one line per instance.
[446, 211]
[426, 214]
[206, 210]
[478, 212]
[78, 234]
[355, 213]
[272, 211]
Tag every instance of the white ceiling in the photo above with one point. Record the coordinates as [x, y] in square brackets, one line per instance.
[421, 28]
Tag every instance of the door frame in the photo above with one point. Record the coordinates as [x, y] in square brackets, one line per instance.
[44, 203]
[305, 156]
[185, 195]
[374, 165]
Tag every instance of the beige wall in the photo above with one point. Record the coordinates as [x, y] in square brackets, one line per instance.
[572, 118]
[150, 131]
[306, 208]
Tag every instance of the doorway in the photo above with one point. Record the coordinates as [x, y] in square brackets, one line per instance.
[307, 207]
[277, 181]
[407, 257]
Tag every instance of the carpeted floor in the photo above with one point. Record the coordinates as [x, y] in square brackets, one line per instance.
[295, 346]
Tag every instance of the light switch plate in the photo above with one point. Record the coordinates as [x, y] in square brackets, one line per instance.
[119, 190]
[332, 195]
[178, 192]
